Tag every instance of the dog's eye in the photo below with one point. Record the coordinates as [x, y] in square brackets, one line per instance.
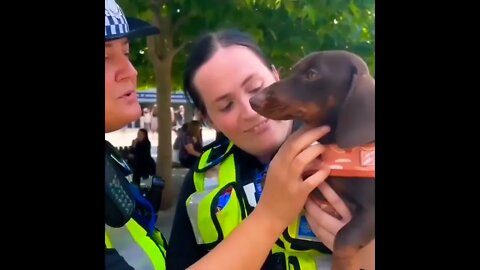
[311, 74]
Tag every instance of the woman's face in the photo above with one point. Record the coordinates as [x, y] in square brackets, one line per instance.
[226, 82]
[121, 104]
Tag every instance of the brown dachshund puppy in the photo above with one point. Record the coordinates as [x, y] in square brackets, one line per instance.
[335, 88]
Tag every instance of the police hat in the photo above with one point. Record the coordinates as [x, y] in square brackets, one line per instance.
[118, 26]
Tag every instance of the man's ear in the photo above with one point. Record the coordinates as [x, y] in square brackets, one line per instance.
[275, 73]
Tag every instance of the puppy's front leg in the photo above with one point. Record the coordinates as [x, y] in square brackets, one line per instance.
[351, 238]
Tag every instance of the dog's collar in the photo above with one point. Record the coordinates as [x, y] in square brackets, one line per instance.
[355, 162]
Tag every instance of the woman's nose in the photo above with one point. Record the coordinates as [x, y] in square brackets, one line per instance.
[127, 70]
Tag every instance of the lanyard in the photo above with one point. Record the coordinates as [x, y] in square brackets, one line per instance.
[148, 220]
[258, 182]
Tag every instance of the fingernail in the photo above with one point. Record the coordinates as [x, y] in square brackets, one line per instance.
[325, 128]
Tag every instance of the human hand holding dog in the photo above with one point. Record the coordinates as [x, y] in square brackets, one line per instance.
[284, 195]
[325, 226]
[285, 190]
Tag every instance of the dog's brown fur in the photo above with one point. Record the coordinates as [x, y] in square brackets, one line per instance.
[333, 88]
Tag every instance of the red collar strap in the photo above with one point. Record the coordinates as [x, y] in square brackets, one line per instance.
[355, 162]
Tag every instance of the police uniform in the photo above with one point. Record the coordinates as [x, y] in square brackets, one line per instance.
[131, 239]
[216, 196]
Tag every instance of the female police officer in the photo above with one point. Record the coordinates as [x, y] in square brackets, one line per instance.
[223, 71]
[131, 240]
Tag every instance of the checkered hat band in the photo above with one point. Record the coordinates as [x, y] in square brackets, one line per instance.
[115, 25]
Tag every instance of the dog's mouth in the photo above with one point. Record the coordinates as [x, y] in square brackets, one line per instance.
[276, 110]
[281, 112]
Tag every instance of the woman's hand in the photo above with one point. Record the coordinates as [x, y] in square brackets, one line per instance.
[326, 226]
[285, 191]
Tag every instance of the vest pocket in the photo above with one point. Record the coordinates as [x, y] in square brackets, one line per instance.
[215, 213]
[228, 210]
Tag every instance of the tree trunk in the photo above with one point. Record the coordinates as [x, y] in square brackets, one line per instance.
[161, 53]
[164, 150]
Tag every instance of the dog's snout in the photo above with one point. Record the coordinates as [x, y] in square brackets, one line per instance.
[258, 101]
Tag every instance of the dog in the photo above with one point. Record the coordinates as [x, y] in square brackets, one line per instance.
[335, 88]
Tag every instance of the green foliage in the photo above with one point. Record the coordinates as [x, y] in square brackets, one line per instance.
[285, 29]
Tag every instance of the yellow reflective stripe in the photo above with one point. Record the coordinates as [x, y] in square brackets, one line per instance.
[160, 241]
[203, 158]
[227, 172]
[126, 246]
[142, 239]
[108, 243]
[199, 176]
[198, 181]
[229, 147]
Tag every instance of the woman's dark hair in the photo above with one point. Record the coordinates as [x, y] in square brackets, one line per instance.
[204, 48]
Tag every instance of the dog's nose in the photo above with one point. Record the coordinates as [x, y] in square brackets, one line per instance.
[258, 101]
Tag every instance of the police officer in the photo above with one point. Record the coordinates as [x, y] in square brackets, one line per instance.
[223, 71]
[131, 239]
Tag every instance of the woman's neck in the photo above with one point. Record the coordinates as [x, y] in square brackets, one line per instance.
[266, 158]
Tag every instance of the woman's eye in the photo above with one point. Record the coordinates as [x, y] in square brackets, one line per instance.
[256, 87]
[253, 91]
[227, 107]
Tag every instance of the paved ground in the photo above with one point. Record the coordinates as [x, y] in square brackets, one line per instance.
[165, 218]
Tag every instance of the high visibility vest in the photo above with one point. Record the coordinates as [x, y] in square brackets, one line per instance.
[213, 220]
[139, 250]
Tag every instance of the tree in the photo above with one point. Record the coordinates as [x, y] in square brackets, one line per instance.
[285, 29]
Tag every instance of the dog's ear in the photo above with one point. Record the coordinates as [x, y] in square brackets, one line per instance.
[356, 122]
